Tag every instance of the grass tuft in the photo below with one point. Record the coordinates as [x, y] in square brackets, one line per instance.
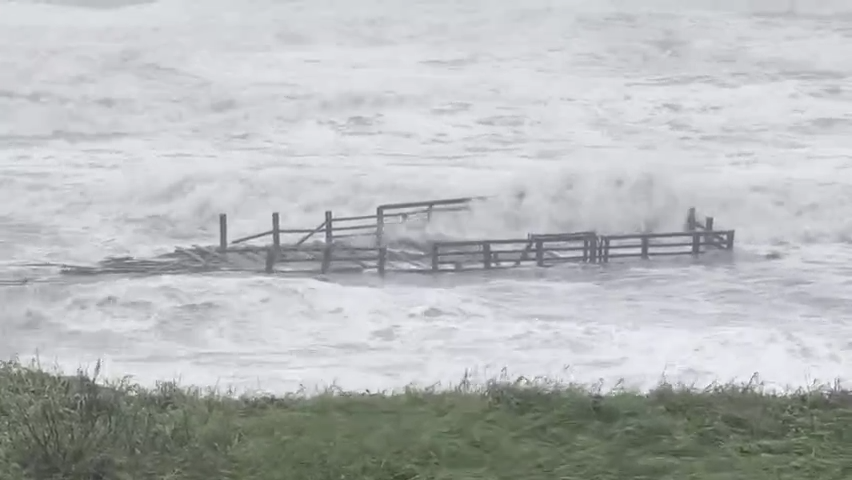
[56, 427]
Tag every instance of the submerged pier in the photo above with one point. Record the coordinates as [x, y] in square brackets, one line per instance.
[372, 243]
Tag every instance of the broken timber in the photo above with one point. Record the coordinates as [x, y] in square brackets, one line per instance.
[367, 243]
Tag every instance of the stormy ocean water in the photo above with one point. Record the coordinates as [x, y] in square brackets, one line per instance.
[127, 127]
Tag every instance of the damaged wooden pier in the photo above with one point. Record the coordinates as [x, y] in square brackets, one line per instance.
[397, 238]
[370, 242]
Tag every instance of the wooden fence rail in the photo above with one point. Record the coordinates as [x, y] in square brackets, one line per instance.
[587, 248]
[542, 250]
[353, 226]
[505, 253]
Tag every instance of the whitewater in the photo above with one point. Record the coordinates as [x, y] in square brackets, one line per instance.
[127, 127]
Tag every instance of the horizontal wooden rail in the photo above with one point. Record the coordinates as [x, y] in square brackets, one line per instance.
[321, 248]
[355, 218]
[480, 243]
[456, 253]
[576, 248]
[353, 228]
[639, 236]
[270, 232]
[348, 258]
[430, 203]
[388, 215]
[624, 246]
[561, 236]
[385, 214]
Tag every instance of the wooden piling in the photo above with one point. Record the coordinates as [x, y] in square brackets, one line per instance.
[270, 260]
[645, 245]
[730, 242]
[690, 220]
[593, 249]
[326, 258]
[708, 227]
[380, 226]
[276, 230]
[486, 255]
[223, 232]
[539, 253]
[383, 256]
[329, 237]
[696, 243]
[605, 250]
[435, 258]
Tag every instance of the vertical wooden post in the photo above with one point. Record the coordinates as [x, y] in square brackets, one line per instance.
[326, 257]
[486, 254]
[276, 230]
[645, 247]
[730, 242]
[383, 256]
[606, 250]
[696, 243]
[539, 253]
[690, 220]
[708, 227]
[329, 236]
[429, 213]
[435, 257]
[223, 232]
[593, 248]
[270, 260]
[380, 226]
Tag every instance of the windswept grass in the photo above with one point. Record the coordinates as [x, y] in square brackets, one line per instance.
[54, 427]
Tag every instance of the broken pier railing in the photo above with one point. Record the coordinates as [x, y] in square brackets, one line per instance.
[336, 228]
[334, 254]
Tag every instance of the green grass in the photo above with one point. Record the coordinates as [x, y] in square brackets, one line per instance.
[54, 427]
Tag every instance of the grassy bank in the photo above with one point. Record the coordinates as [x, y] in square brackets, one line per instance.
[71, 428]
